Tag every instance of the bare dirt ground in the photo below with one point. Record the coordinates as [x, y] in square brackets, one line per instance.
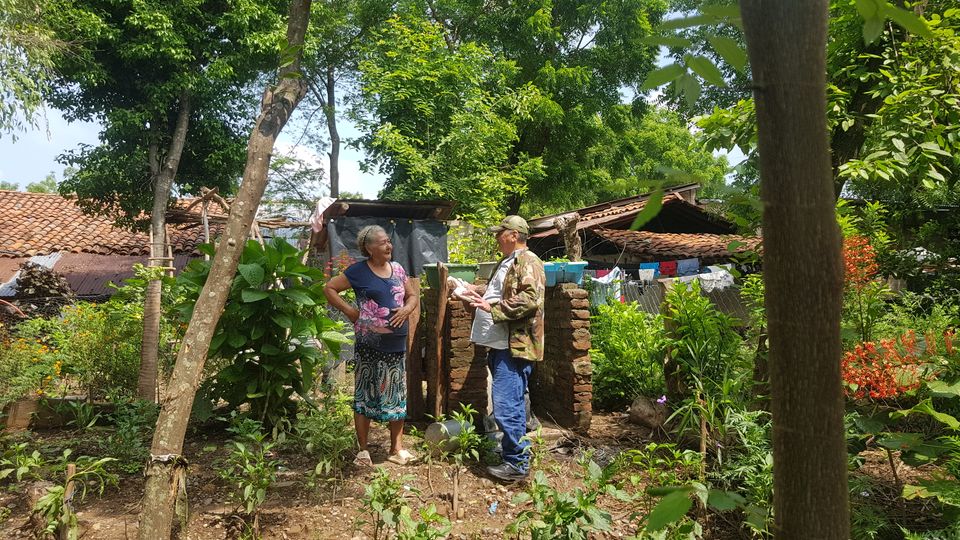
[294, 510]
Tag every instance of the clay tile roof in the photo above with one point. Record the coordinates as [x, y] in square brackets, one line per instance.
[671, 246]
[41, 223]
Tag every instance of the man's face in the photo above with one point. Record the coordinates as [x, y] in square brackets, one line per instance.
[507, 241]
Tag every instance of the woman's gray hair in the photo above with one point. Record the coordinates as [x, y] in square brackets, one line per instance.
[366, 235]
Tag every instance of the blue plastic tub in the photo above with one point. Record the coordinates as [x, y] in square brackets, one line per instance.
[571, 272]
[551, 269]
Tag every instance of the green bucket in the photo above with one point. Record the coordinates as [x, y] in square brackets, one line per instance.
[466, 272]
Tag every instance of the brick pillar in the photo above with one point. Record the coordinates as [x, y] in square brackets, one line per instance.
[561, 390]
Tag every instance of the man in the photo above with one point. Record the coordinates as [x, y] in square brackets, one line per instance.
[509, 320]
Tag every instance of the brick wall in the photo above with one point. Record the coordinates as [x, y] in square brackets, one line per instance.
[561, 389]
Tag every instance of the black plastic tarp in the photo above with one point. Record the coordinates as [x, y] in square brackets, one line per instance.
[415, 242]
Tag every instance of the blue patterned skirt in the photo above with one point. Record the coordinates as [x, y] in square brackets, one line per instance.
[380, 390]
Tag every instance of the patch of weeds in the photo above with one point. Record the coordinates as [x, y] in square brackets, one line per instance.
[569, 515]
[325, 433]
[249, 471]
[133, 422]
[385, 505]
[19, 463]
[56, 509]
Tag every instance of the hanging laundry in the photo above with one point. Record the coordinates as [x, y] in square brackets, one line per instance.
[720, 268]
[651, 266]
[601, 273]
[716, 280]
[668, 268]
[605, 288]
[646, 275]
[688, 267]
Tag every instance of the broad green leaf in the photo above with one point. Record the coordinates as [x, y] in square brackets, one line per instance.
[217, 341]
[724, 500]
[926, 407]
[702, 66]
[908, 20]
[666, 41]
[662, 76]
[299, 296]
[282, 319]
[690, 87]
[722, 12]
[868, 9]
[731, 51]
[335, 337]
[650, 210]
[872, 28]
[236, 339]
[670, 509]
[942, 389]
[253, 295]
[253, 273]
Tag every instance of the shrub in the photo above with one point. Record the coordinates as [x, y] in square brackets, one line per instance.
[263, 346]
[28, 362]
[249, 470]
[385, 506]
[627, 354]
[325, 432]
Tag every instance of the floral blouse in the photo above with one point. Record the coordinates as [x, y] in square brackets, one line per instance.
[377, 299]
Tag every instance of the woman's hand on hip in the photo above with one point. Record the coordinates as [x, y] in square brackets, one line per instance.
[400, 316]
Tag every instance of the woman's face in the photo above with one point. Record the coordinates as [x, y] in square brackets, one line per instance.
[379, 247]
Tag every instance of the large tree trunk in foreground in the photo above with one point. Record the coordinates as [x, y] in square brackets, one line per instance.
[162, 176]
[167, 468]
[786, 42]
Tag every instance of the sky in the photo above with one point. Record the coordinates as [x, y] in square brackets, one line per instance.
[34, 154]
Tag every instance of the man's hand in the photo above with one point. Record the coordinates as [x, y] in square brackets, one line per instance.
[477, 301]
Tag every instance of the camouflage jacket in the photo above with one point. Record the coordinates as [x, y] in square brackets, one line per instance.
[521, 306]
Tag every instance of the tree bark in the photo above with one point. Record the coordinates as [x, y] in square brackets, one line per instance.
[331, 111]
[786, 43]
[167, 467]
[162, 176]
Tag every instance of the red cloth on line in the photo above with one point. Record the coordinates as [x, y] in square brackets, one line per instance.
[668, 268]
[601, 273]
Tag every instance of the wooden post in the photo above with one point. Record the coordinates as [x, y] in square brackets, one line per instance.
[438, 376]
[63, 531]
[567, 227]
[415, 361]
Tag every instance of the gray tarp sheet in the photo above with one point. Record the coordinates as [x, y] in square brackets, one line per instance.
[415, 242]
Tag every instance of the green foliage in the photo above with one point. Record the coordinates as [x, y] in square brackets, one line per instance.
[82, 414]
[745, 466]
[660, 465]
[627, 354]
[47, 185]
[325, 432]
[248, 469]
[470, 243]
[556, 514]
[442, 123]
[385, 505]
[91, 472]
[18, 462]
[27, 362]
[263, 346]
[26, 50]
[132, 65]
[133, 425]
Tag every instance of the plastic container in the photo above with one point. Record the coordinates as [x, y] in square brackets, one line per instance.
[551, 269]
[441, 436]
[571, 272]
[466, 272]
[485, 271]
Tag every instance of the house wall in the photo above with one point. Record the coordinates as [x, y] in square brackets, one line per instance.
[561, 391]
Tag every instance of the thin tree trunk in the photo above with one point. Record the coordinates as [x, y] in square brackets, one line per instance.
[331, 111]
[786, 42]
[162, 177]
[167, 468]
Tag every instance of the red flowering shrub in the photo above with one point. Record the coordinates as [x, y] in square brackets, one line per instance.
[863, 302]
[859, 262]
[884, 371]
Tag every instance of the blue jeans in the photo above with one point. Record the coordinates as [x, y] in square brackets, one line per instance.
[510, 377]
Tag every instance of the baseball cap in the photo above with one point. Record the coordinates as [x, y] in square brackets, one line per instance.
[512, 223]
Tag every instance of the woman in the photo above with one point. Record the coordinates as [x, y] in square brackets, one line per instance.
[385, 298]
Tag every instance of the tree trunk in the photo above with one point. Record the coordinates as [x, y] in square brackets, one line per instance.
[162, 177]
[167, 467]
[331, 111]
[786, 42]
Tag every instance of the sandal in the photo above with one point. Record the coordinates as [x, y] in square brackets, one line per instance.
[402, 457]
[363, 459]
